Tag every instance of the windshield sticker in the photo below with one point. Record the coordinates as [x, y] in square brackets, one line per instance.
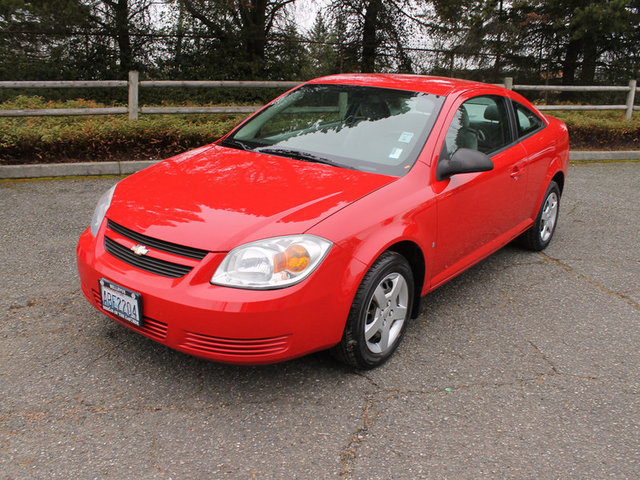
[395, 153]
[405, 137]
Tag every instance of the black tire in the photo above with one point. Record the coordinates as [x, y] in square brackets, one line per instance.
[541, 232]
[390, 275]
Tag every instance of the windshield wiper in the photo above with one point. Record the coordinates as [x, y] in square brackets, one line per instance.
[233, 143]
[298, 155]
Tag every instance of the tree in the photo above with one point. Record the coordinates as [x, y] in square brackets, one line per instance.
[372, 26]
[539, 38]
[323, 51]
[597, 26]
[571, 41]
[287, 57]
[250, 23]
[483, 30]
[127, 22]
[38, 38]
[580, 33]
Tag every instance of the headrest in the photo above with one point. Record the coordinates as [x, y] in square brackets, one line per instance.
[464, 117]
[491, 113]
[374, 109]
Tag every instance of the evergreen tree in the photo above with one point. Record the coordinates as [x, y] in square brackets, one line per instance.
[323, 50]
[42, 40]
[287, 57]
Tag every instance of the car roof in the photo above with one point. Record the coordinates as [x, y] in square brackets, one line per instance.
[417, 83]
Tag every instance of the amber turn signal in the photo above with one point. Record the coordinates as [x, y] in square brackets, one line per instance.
[294, 259]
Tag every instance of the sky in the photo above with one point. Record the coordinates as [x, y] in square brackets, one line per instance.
[305, 12]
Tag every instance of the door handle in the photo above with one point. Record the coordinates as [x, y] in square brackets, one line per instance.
[516, 172]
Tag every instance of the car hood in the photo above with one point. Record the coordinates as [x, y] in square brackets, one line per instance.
[216, 198]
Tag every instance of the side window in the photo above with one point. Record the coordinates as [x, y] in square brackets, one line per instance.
[527, 121]
[481, 123]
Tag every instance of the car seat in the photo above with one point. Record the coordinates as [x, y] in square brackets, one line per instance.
[466, 137]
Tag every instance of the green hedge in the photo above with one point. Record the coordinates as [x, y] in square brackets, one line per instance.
[104, 138]
[605, 130]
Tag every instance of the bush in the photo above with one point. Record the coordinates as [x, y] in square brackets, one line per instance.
[604, 130]
[102, 138]
[113, 137]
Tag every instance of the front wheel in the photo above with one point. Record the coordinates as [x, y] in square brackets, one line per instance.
[539, 235]
[379, 313]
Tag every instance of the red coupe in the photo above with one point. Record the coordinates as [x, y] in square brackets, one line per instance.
[322, 220]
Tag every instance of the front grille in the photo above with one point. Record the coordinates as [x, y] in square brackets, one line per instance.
[161, 245]
[150, 327]
[229, 346]
[150, 264]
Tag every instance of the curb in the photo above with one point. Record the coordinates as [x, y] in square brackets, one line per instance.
[82, 169]
[593, 156]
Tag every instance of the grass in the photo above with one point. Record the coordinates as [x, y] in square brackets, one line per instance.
[113, 137]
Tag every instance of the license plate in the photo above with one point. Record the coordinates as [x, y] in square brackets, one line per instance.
[121, 302]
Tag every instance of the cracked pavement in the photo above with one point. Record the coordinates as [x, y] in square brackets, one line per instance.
[525, 366]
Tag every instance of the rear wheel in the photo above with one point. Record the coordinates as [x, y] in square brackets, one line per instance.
[379, 313]
[539, 235]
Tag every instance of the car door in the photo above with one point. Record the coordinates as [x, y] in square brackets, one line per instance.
[539, 147]
[478, 212]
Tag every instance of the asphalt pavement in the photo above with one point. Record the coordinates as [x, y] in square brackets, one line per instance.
[526, 366]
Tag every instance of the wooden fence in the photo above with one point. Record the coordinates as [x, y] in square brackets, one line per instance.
[134, 84]
[628, 107]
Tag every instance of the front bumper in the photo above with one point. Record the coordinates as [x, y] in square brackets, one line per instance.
[227, 324]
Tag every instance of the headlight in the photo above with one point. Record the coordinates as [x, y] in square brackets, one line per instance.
[101, 210]
[272, 263]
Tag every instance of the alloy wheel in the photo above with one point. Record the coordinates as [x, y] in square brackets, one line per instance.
[548, 217]
[386, 313]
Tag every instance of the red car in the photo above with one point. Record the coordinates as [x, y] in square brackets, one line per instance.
[322, 220]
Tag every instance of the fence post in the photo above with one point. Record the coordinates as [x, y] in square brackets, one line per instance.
[133, 95]
[631, 98]
[508, 83]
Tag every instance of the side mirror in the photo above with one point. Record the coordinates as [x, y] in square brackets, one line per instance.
[464, 160]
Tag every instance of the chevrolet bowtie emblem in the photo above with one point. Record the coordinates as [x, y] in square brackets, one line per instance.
[139, 249]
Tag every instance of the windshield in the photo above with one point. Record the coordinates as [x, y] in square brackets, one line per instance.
[363, 128]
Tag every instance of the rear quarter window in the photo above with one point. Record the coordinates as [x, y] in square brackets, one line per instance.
[527, 122]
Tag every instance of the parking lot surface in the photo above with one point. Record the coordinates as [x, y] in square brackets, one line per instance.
[526, 366]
